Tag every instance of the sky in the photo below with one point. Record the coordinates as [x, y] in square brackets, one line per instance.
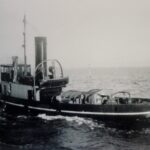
[80, 33]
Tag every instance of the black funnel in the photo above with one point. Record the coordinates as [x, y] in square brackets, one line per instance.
[41, 53]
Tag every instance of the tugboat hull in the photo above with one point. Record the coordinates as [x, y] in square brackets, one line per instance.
[100, 112]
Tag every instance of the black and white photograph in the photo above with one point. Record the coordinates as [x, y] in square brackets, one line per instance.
[74, 74]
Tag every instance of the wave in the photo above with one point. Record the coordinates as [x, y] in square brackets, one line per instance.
[92, 124]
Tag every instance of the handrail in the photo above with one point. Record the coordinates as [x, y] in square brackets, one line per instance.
[123, 92]
[34, 76]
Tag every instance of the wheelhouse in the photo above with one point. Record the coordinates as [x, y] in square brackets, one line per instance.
[10, 73]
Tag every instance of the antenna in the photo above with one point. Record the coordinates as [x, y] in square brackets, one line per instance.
[24, 45]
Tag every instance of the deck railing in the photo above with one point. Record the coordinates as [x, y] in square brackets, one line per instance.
[38, 66]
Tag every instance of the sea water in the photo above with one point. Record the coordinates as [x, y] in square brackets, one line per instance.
[72, 133]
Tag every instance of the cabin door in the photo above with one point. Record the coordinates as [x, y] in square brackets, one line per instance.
[30, 95]
[5, 90]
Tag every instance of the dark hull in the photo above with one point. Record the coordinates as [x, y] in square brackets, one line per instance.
[100, 112]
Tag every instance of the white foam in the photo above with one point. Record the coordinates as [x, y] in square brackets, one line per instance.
[77, 120]
[46, 117]
[22, 117]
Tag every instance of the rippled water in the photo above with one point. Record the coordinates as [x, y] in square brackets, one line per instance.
[72, 133]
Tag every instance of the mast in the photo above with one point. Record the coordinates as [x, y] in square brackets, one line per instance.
[24, 46]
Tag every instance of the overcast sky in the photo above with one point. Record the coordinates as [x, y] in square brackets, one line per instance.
[80, 33]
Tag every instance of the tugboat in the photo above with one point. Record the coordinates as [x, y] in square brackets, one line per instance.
[42, 92]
